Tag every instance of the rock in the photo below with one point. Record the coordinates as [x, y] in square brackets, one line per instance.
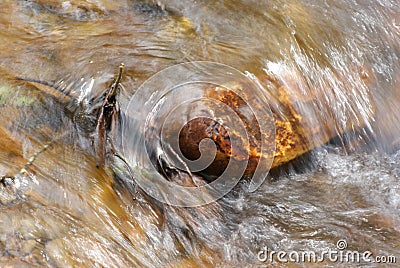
[301, 123]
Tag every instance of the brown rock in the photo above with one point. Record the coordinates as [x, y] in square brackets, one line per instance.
[301, 122]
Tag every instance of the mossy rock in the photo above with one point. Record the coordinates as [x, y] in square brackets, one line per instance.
[10, 96]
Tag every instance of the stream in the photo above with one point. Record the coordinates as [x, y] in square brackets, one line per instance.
[339, 195]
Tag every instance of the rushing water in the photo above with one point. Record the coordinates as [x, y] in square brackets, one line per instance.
[66, 212]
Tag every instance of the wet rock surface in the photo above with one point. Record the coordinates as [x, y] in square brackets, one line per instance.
[328, 69]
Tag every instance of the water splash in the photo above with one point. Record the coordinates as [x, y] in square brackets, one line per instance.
[337, 63]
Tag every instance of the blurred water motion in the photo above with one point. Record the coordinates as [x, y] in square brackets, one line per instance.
[68, 213]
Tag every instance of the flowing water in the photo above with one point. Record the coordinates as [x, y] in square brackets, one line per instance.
[65, 212]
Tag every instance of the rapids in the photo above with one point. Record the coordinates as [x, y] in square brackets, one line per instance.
[65, 212]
